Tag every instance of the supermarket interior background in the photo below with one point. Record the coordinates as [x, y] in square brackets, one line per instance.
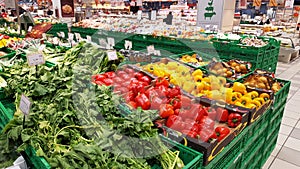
[160, 84]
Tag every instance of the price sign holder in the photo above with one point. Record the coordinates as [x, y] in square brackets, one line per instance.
[110, 42]
[25, 106]
[112, 55]
[128, 45]
[35, 59]
[89, 38]
[151, 49]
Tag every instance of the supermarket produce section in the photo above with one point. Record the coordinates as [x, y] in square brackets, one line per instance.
[202, 103]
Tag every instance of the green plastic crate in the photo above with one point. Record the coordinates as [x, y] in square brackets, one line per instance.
[7, 110]
[191, 158]
[252, 157]
[281, 96]
[274, 121]
[34, 161]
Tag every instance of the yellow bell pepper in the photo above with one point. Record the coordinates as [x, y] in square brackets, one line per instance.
[239, 87]
[254, 94]
[200, 86]
[251, 106]
[264, 96]
[197, 72]
[222, 80]
[261, 100]
[198, 78]
[238, 103]
[245, 100]
[206, 79]
[228, 94]
[207, 86]
[188, 86]
[256, 103]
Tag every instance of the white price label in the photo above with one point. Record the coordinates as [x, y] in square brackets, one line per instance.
[78, 37]
[55, 41]
[151, 49]
[62, 34]
[41, 48]
[89, 38]
[25, 104]
[5, 24]
[111, 41]
[44, 36]
[102, 43]
[112, 55]
[71, 36]
[128, 44]
[35, 59]
[30, 29]
[157, 53]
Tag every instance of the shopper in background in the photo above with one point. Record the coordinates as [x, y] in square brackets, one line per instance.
[169, 19]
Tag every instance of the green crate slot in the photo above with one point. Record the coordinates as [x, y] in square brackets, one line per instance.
[7, 110]
[34, 161]
[250, 155]
[281, 96]
[191, 158]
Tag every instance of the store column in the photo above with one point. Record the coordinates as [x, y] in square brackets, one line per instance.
[228, 15]
[218, 13]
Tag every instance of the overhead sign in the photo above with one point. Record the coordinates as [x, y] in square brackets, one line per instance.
[209, 12]
[289, 4]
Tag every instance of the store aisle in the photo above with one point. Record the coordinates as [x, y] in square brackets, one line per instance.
[287, 151]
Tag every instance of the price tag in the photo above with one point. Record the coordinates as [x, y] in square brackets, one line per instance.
[157, 53]
[151, 49]
[35, 59]
[5, 24]
[71, 36]
[41, 48]
[25, 105]
[78, 37]
[89, 38]
[112, 55]
[62, 34]
[3, 83]
[30, 29]
[102, 43]
[111, 41]
[55, 41]
[128, 44]
[44, 36]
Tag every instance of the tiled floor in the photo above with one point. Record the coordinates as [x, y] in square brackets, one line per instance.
[286, 154]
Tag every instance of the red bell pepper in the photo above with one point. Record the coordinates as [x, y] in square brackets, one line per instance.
[126, 77]
[234, 119]
[222, 132]
[206, 135]
[151, 92]
[207, 122]
[138, 75]
[173, 92]
[172, 119]
[162, 91]
[212, 113]
[129, 70]
[161, 81]
[129, 97]
[186, 102]
[98, 77]
[133, 80]
[121, 89]
[175, 102]
[178, 125]
[107, 81]
[143, 101]
[166, 110]
[182, 113]
[222, 114]
[110, 74]
[146, 79]
[133, 104]
[120, 73]
[156, 102]
[118, 80]
[189, 133]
